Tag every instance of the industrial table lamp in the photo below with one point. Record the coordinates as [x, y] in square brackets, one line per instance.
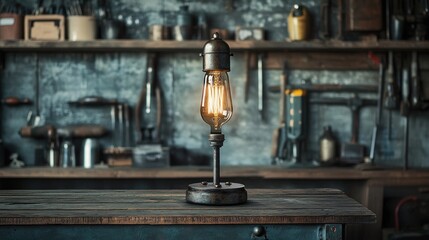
[216, 110]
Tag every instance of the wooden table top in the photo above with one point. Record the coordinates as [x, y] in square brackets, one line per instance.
[291, 206]
[263, 172]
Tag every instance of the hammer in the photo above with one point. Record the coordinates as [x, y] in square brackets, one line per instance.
[351, 152]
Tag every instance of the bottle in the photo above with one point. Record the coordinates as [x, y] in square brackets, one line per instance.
[183, 29]
[52, 154]
[90, 148]
[202, 30]
[327, 146]
[68, 157]
[298, 23]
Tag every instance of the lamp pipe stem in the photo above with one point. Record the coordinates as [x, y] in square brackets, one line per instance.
[216, 165]
[216, 141]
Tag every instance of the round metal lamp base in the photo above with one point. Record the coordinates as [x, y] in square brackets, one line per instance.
[207, 194]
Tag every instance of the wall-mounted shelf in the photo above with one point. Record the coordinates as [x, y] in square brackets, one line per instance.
[196, 46]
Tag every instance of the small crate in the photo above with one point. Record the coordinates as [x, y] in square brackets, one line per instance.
[10, 26]
[44, 27]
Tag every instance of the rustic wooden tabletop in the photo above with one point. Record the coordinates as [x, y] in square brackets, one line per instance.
[159, 207]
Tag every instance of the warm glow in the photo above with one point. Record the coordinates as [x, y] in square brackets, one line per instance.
[216, 104]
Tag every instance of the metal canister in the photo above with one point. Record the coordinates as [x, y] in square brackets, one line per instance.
[298, 23]
[90, 153]
[183, 29]
[327, 146]
[202, 30]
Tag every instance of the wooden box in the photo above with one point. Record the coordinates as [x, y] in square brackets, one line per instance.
[10, 26]
[44, 27]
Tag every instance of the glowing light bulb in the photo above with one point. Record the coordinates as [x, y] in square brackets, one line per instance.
[216, 102]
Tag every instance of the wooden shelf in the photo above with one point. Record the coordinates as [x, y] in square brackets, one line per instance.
[196, 46]
[267, 172]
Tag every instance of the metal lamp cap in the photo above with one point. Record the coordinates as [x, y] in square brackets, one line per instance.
[216, 54]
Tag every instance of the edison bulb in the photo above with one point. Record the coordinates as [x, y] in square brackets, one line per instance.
[216, 102]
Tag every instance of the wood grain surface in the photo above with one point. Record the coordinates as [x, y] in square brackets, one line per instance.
[264, 172]
[196, 46]
[292, 206]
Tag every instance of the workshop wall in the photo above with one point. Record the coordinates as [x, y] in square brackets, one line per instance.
[68, 76]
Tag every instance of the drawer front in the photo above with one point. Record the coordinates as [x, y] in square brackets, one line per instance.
[185, 232]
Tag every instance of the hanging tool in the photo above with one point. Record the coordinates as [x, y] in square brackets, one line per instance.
[378, 117]
[351, 152]
[127, 124]
[416, 94]
[261, 85]
[340, 20]
[246, 77]
[113, 121]
[121, 124]
[397, 20]
[308, 86]
[387, 15]
[75, 131]
[148, 121]
[149, 151]
[279, 134]
[391, 97]
[36, 119]
[405, 110]
[325, 16]
[296, 104]
[15, 101]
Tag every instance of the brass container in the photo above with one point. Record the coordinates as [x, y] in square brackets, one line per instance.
[327, 146]
[298, 23]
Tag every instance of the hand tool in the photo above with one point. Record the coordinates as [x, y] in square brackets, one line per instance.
[15, 101]
[127, 124]
[246, 77]
[279, 134]
[405, 89]
[325, 16]
[340, 20]
[416, 94]
[261, 85]
[397, 21]
[327, 88]
[94, 101]
[391, 92]
[149, 152]
[39, 8]
[74, 131]
[378, 116]
[296, 105]
[351, 152]
[53, 155]
[113, 115]
[37, 117]
[405, 106]
[391, 97]
[149, 88]
[148, 122]
[158, 111]
[142, 128]
[121, 124]
[387, 16]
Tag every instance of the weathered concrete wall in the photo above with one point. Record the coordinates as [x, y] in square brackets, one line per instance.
[66, 77]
